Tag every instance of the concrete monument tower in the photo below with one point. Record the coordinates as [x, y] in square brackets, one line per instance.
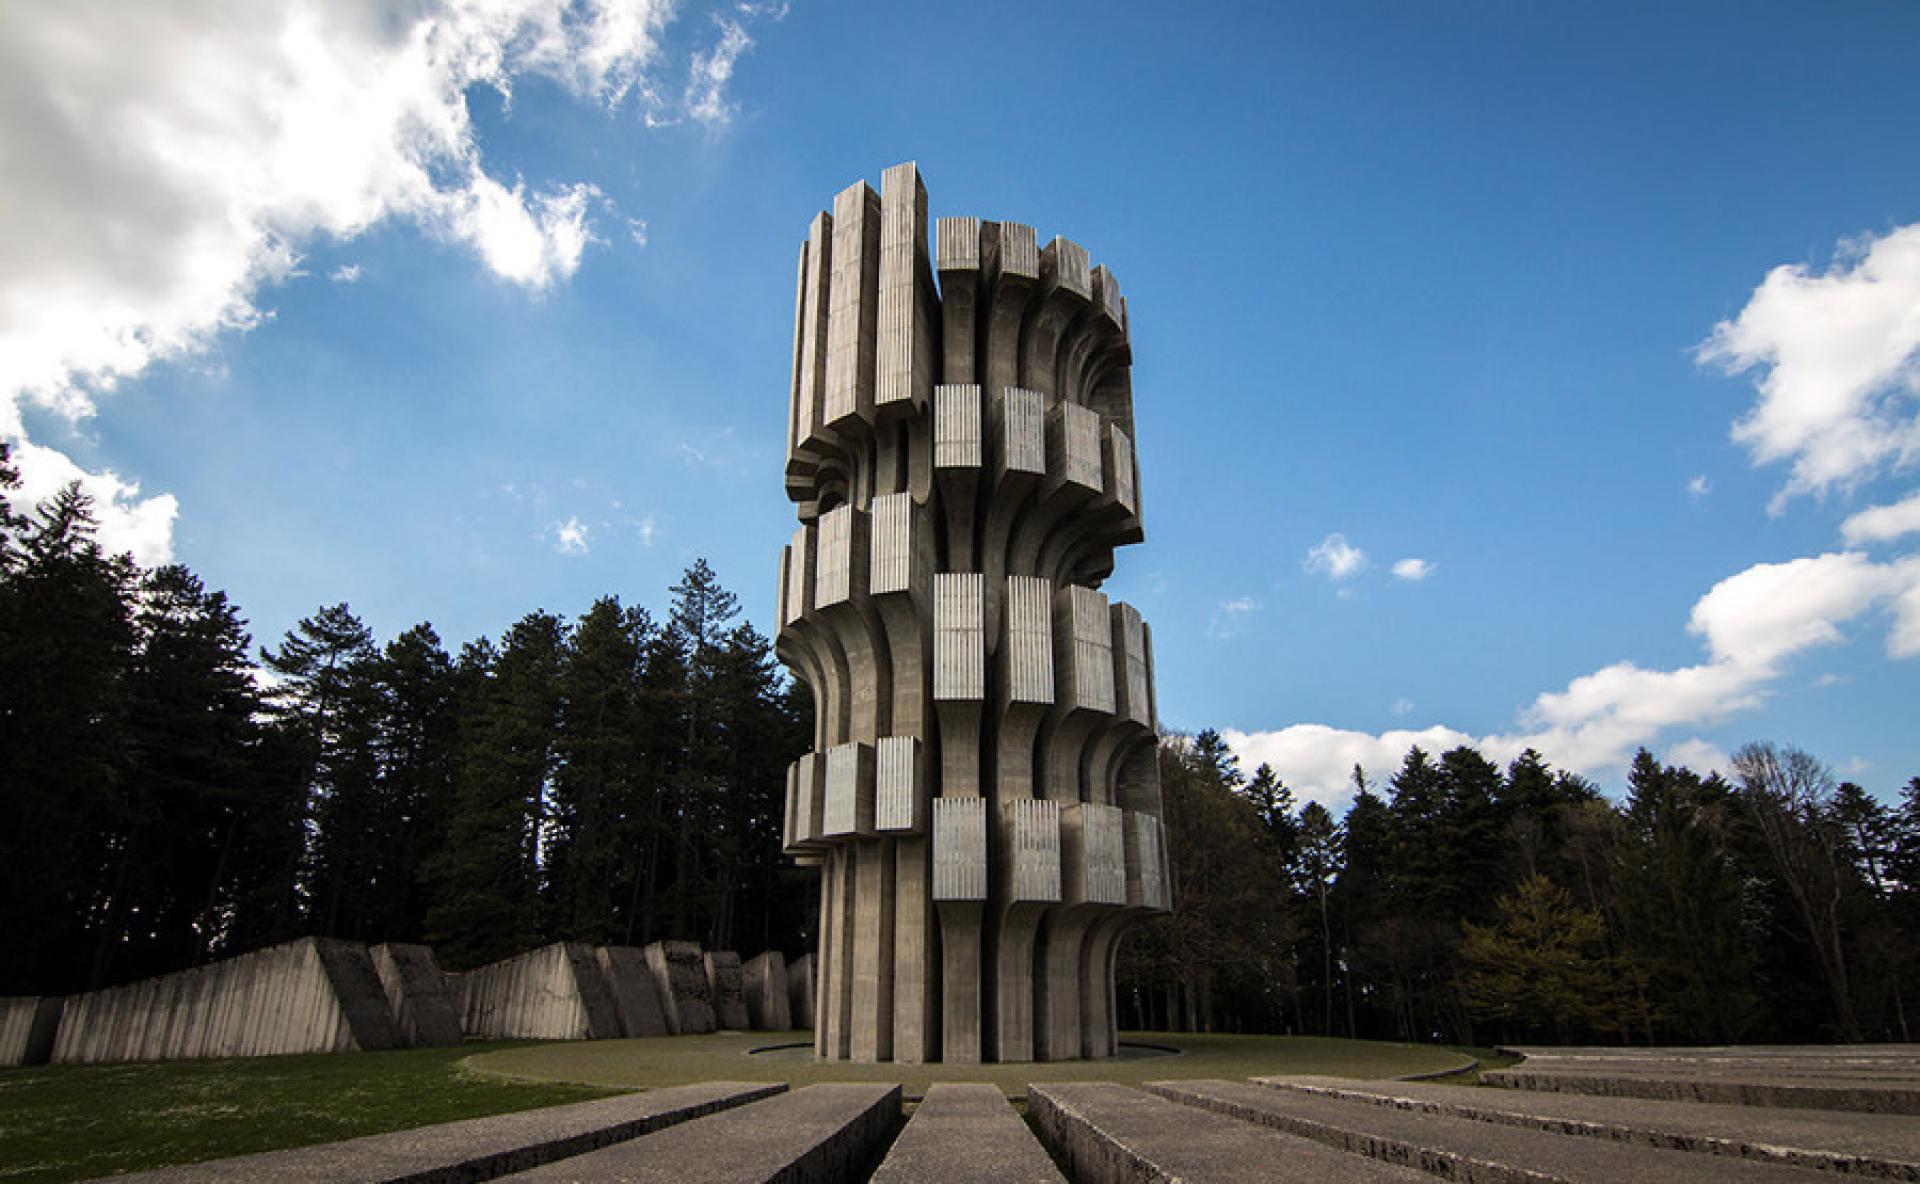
[983, 798]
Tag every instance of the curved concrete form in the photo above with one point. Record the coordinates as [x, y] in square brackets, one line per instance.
[982, 797]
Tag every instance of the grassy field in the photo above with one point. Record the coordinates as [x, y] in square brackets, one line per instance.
[637, 1064]
[74, 1122]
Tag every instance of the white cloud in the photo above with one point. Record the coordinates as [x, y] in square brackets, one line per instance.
[646, 531]
[1229, 617]
[1702, 756]
[1335, 558]
[706, 97]
[185, 153]
[129, 523]
[1836, 353]
[1700, 486]
[346, 274]
[1403, 706]
[1412, 569]
[1882, 524]
[1751, 623]
[570, 537]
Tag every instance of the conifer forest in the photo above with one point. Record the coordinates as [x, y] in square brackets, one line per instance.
[171, 793]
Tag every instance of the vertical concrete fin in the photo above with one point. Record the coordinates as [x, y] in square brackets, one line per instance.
[900, 786]
[1029, 642]
[849, 791]
[906, 361]
[959, 636]
[960, 849]
[957, 438]
[811, 383]
[852, 325]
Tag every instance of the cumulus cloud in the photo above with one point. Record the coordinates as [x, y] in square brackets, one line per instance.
[1883, 524]
[1700, 486]
[1701, 756]
[1838, 373]
[1751, 624]
[129, 523]
[1412, 570]
[346, 274]
[184, 153]
[1335, 558]
[570, 537]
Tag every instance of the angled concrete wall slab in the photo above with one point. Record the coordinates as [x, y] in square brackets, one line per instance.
[28, 1025]
[635, 996]
[426, 1011]
[680, 977]
[556, 992]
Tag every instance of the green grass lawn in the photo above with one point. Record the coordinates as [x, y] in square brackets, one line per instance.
[648, 1063]
[74, 1122]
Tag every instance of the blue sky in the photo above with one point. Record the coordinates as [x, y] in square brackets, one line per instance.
[1510, 373]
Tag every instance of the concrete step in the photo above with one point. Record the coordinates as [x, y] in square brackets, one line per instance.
[1880, 1145]
[1462, 1148]
[475, 1148]
[967, 1134]
[1110, 1134]
[824, 1133]
[1752, 1089]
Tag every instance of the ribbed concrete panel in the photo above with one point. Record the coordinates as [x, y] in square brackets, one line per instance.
[900, 788]
[849, 791]
[1083, 647]
[894, 554]
[957, 438]
[791, 814]
[852, 325]
[636, 998]
[769, 1008]
[311, 995]
[800, 575]
[728, 990]
[1130, 665]
[28, 1025]
[1029, 643]
[1120, 463]
[1106, 294]
[556, 992]
[809, 820]
[810, 383]
[905, 361]
[841, 566]
[1146, 863]
[1023, 431]
[1019, 251]
[1080, 446]
[959, 849]
[680, 978]
[800, 990]
[1094, 838]
[1067, 264]
[1030, 845]
[425, 1009]
[959, 244]
[959, 636]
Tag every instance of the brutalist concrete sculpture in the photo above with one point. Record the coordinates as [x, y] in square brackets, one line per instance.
[982, 799]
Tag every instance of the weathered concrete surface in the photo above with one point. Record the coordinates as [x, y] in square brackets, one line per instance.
[556, 992]
[1880, 1145]
[764, 978]
[800, 987]
[635, 996]
[960, 451]
[1802, 1092]
[727, 989]
[1110, 1134]
[477, 1148]
[1462, 1148]
[680, 978]
[966, 1134]
[823, 1133]
[311, 995]
[426, 1010]
[28, 1025]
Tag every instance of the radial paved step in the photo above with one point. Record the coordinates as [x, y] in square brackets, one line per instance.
[475, 1148]
[1803, 1092]
[1463, 1149]
[967, 1134]
[1885, 1146]
[1109, 1134]
[825, 1133]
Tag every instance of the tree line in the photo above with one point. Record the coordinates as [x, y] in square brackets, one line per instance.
[166, 798]
[1470, 904]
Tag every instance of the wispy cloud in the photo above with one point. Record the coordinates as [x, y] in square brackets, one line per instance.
[1335, 558]
[1230, 616]
[1413, 570]
[1699, 486]
[1883, 524]
[646, 531]
[346, 273]
[1403, 706]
